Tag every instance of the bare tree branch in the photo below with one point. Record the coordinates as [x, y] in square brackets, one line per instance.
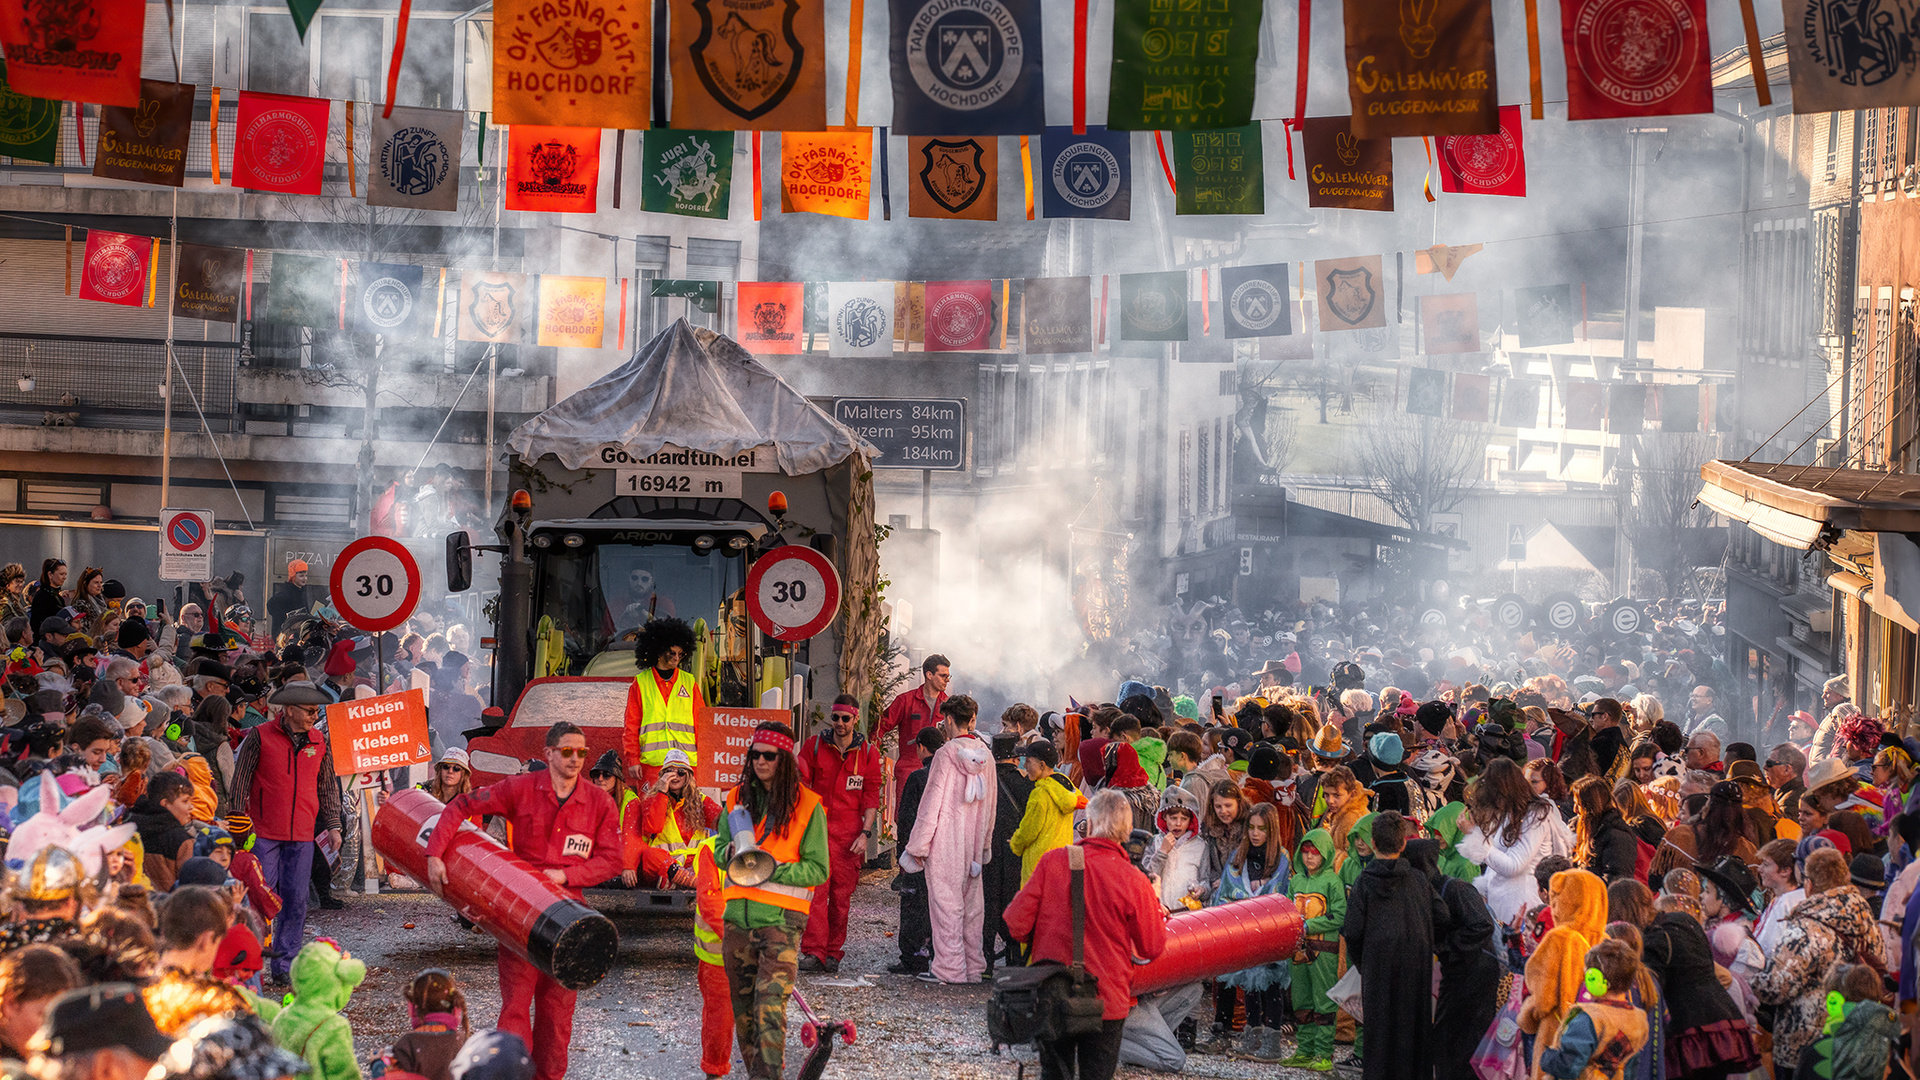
[1664, 481]
[1420, 466]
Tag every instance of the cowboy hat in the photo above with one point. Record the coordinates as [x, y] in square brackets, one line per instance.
[1827, 771]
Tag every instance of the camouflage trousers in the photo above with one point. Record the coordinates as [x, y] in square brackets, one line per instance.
[761, 966]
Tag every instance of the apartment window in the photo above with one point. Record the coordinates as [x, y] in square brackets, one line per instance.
[350, 60]
[1142, 451]
[1204, 481]
[1889, 146]
[649, 265]
[1186, 474]
[272, 43]
[985, 446]
[1833, 143]
[1764, 140]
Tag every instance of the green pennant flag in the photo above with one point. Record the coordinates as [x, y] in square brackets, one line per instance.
[303, 12]
[689, 173]
[1181, 66]
[302, 291]
[704, 294]
[29, 126]
[1219, 172]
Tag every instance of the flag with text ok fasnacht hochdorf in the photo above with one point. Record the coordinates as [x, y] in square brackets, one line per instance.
[578, 65]
[573, 311]
[826, 172]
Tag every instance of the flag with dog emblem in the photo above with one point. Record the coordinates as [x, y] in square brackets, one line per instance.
[742, 65]
[493, 307]
[147, 143]
[954, 178]
[1351, 293]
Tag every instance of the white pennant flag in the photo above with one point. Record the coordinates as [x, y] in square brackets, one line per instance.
[414, 160]
[860, 318]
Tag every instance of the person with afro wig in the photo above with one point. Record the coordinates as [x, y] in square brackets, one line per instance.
[662, 702]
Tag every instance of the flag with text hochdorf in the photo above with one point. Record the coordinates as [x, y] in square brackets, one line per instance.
[390, 299]
[748, 64]
[1636, 59]
[959, 315]
[1421, 67]
[414, 162]
[860, 318]
[573, 311]
[966, 67]
[75, 50]
[771, 316]
[1493, 164]
[115, 270]
[689, 173]
[826, 172]
[1254, 301]
[1185, 65]
[280, 143]
[147, 144]
[572, 65]
[1086, 176]
[554, 170]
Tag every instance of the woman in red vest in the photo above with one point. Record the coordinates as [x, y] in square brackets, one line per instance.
[764, 923]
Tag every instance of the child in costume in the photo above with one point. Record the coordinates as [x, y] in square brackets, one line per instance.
[1359, 849]
[1180, 857]
[323, 979]
[1858, 1037]
[1320, 896]
[1258, 868]
[438, 1012]
[1603, 1032]
[1557, 969]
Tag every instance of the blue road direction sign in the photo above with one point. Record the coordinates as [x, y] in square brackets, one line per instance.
[910, 433]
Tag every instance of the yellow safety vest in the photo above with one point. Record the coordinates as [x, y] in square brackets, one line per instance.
[666, 724]
[678, 845]
[707, 878]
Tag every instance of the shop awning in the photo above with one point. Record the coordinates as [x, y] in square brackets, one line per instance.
[1799, 505]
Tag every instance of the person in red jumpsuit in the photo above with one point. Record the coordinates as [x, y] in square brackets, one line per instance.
[569, 831]
[917, 708]
[843, 768]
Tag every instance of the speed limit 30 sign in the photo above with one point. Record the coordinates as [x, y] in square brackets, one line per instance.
[375, 583]
[793, 592]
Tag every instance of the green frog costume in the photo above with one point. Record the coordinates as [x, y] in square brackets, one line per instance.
[1321, 899]
[1445, 826]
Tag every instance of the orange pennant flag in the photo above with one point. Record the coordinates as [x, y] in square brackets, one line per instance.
[826, 172]
[573, 311]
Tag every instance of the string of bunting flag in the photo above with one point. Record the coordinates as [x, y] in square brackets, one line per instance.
[961, 73]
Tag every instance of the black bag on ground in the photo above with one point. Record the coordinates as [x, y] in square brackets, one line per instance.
[1049, 1000]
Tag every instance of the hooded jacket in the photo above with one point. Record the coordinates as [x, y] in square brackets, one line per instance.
[1557, 970]
[1185, 861]
[1324, 883]
[1360, 832]
[1047, 822]
[1445, 825]
[1152, 751]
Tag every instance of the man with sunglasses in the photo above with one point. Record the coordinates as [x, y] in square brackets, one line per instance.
[844, 769]
[567, 830]
[1786, 772]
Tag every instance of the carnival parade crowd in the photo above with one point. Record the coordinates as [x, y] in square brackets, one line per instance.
[1530, 866]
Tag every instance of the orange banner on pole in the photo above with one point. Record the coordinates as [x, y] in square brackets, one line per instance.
[376, 733]
[826, 172]
[573, 311]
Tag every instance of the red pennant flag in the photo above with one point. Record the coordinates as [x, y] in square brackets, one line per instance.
[959, 315]
[80, 52]
[280, 143]
[115, 269]
[1641, 59]
[554, 170]
[1485, 164]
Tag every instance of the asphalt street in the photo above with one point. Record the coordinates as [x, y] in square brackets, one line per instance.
[643, 1019]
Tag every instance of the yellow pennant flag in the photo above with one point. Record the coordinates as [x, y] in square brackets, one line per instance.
[826, 172]
[573, 311]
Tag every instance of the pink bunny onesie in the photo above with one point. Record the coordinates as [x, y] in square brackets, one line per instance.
[953, 836]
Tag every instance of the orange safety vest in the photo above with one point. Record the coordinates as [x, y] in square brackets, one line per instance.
[784, 848]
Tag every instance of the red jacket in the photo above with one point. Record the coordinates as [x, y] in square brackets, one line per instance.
[247, 871]
[658, 861]
[581, 838]
[630, 733]
[285, 786]
[848, 784]
[1124, 918]
[908, 714]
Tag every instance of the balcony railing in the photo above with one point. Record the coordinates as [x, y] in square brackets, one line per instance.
[70, 380]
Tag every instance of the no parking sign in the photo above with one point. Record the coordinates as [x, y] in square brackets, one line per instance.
[186, 545]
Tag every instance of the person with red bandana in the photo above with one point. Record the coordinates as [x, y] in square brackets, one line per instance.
[844, 769]
[568, 831]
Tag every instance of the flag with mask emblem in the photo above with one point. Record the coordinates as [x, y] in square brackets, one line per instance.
[573, 311]
[1153, 307]
[389, 299]
[414, 162]
[147, 143]
[966, 67]
[1254, 301]
[1086, 176]
[493, 307]
[301, 291]
[582, 65]
[860, 318]
[954, 178]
